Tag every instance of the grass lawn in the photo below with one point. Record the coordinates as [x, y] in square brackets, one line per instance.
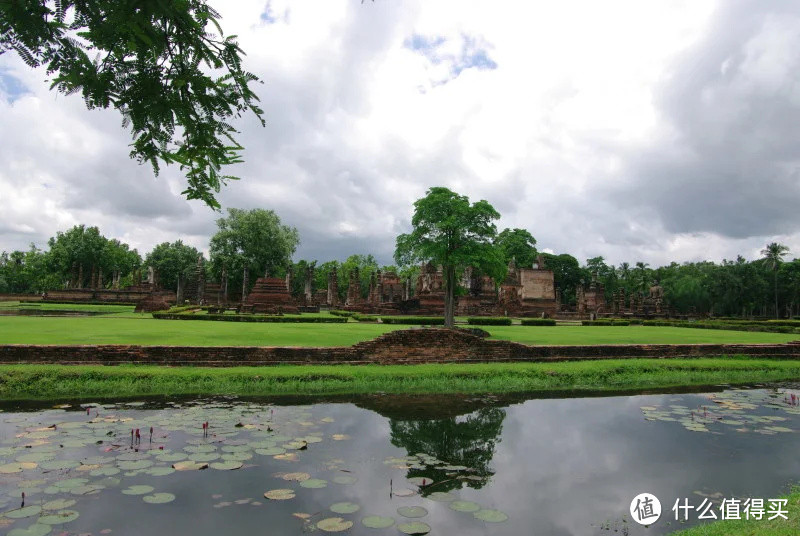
[80, 307]
[75, 381]
[131, 328]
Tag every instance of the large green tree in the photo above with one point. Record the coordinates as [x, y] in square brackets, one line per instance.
[166, 66]
[252, 242]
[517, 244]
[450, 231]
[773, 255]
[174, 262]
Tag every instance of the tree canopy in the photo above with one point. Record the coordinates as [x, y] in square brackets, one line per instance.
[449, 231]
[173, 261]
[517, 244]
[175, 81]
[254, 241]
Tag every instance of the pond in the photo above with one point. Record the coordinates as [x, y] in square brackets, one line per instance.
[390, 465]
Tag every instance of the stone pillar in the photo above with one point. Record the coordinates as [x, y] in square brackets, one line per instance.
[179, 294]
[100, 278]
[244, 283]
[223, 287]
[73, 283]
[307, 289]
[80, 276]
[201, 280]
[333, 288]
[289, 279]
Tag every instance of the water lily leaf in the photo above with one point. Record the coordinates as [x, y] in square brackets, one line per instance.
[57, 518]
[58, 504]
[421, 481]
[296, 477]
[289, 457]
[416, 528]
[345, 479]
[404, 493]
[134, 465]
[377, 522]
[10, 468]
[270, 451]
[314, 483]
[21, 513]
[71, 483]
[237, 456]
[159, 498]
[35, 457]
[412, 511]
[189, 466]
[334, 524]
[89, 489]
[138, 490]
[490, 516]
[204, 457]
[340, 437]
[345, 508]
[159, 471]
[301, 515]
[280, 494]
[229, 465]
[37, 529]
[465, 506]
[441, 496]
[172, 457]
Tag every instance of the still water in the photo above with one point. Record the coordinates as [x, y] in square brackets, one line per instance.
[450, 465]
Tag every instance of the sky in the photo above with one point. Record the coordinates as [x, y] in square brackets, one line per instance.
[651, 131]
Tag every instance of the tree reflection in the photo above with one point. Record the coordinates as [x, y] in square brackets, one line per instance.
[466, 441]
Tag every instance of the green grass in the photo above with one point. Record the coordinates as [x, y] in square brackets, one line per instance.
[140, 329]
[753, 527]
[58, 381]
[585, 335]
[78, 307]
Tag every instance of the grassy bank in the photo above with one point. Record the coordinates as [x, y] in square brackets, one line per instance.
[55, 381]
[776, 527]
[119, 329]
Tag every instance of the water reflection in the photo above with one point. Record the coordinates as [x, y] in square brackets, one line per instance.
[468, 441]
[554, 466]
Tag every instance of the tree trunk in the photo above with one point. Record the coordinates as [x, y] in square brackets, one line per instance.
[776, 295]
[450, 296]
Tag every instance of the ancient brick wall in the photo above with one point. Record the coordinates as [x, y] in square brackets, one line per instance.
[417, 345]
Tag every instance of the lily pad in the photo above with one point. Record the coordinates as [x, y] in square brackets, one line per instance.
[159, 471]
[490, 516]
[465, 506]
[296, 477]
[280, 494]
[21, 513]
[377, 522]
[334, 524]
[159, 498]
[37, 529]
[314, 483]
[421, 481]
[58, 504]
[57, 518]
[412, 511]
[138, 490]
[345, 479]
[189, 466]
[345, 508]
[229, 465]
[270, 451]
[416, 528]
[442, 496]
[10, 468]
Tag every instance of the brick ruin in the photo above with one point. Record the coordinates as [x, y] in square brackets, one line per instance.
[524, 292]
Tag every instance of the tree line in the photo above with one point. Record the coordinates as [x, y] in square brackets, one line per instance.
[252, 243]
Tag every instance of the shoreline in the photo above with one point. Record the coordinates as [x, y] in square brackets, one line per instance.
[608, 376]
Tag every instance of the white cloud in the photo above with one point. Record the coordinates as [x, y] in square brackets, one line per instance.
[572, 118]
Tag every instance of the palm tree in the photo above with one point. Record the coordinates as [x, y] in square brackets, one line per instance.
[773, 254]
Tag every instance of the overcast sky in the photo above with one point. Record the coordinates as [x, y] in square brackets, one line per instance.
[639, 131]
